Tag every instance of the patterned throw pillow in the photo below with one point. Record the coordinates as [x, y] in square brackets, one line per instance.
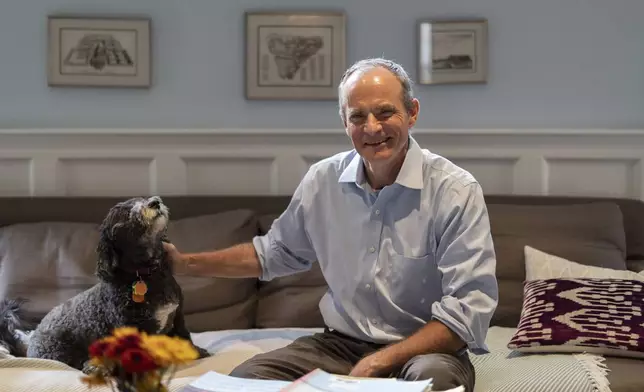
[593, 315]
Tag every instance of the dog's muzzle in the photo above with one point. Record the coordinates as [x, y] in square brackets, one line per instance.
[153, 209]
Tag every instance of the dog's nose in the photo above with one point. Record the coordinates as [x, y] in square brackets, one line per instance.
[154, 203]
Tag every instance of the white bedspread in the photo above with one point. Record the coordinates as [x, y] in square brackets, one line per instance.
[496, 372]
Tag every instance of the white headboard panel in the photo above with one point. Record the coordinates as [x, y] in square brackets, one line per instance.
[114, 162]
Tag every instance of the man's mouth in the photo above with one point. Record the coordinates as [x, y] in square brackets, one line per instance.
[378, 143]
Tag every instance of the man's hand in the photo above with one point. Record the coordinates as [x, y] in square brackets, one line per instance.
[374, 365]
[174, 257]
[434, 337]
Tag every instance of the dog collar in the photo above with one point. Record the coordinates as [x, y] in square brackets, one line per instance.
[143, 271]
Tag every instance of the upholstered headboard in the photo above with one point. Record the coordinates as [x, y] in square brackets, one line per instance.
[93, 209]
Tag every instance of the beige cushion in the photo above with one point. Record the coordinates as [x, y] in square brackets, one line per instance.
[541, 265]
[47, 263]
[290, 301]
[591, 233]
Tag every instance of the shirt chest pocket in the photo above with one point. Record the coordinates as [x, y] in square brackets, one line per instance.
[411, 279]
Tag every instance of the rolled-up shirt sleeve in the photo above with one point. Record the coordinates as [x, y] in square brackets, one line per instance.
[286, 248]
[467, 261]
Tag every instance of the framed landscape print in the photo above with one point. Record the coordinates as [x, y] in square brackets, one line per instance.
[452, 51]
[295, 55]
[99, 52]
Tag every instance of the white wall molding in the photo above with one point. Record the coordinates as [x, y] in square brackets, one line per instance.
[77, 162]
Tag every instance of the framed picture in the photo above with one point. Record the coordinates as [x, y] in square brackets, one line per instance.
[294, 55]
[453, 51]
[98, 51]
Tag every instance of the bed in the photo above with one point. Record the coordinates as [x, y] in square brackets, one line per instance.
[47, 255]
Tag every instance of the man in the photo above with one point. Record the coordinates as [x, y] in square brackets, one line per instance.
[403, 240]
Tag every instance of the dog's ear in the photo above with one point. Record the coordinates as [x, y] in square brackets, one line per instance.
[107, 257]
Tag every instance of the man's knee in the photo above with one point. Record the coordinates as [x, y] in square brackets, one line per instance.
[254, 368]
[446, 371]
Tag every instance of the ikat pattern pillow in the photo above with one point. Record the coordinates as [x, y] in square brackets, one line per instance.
[594, 315]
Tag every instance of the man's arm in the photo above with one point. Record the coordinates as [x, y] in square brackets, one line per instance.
[238, 261]
[467, 262]
[285, 249]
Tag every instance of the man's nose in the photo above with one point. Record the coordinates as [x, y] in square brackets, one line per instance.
[372, 124]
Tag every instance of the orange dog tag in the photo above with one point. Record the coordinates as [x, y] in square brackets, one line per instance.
[138, 291]
[137, 298]
[140, 288]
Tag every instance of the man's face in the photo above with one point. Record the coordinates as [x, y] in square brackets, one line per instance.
[376, 119]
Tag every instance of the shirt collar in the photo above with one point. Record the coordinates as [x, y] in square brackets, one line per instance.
[410, 175]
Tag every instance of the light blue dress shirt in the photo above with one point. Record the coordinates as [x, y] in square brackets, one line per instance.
[416, 250]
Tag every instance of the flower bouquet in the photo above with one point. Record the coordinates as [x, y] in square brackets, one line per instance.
[132, 361]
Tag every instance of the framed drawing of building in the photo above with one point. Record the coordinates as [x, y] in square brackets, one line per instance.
[453, 51]
[99, 51]
[294, 56]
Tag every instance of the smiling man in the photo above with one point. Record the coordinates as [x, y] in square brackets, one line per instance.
[403, 240]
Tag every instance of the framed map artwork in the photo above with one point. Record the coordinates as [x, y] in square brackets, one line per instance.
[453, 51]
[294, 55]
[98, 51]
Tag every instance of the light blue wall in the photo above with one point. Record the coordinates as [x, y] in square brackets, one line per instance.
[553, 63]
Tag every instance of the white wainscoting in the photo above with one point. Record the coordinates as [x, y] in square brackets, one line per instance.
[106, 162]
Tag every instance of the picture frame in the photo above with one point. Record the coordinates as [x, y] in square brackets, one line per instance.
[294, 55]
[98, 51]
[452, 51]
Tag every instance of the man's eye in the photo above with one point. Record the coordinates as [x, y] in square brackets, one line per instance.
[356, 117]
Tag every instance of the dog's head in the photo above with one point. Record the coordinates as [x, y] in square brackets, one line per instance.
[131, 236]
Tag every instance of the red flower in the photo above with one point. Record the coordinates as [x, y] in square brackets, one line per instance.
[98, 348]
[135, 360]
[130, 341]
[115, 350]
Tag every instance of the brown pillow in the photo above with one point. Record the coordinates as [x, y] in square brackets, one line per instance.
[290, 301]
[591, 233]
[216, 303]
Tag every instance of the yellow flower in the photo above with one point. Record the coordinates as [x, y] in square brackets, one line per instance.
[183, 351]
[124, 331]
[157, 346]
[169, 350]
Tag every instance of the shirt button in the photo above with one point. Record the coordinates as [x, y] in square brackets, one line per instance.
[372, 249]
[424, 280]
[367, 286]
[422, 301]
[377, 212]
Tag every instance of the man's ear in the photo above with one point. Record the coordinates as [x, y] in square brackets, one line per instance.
[413, 114]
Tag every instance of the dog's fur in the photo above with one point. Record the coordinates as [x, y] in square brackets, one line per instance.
[130, 246]
[14, 328]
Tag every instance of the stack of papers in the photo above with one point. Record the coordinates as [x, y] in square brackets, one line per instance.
[316, 381]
